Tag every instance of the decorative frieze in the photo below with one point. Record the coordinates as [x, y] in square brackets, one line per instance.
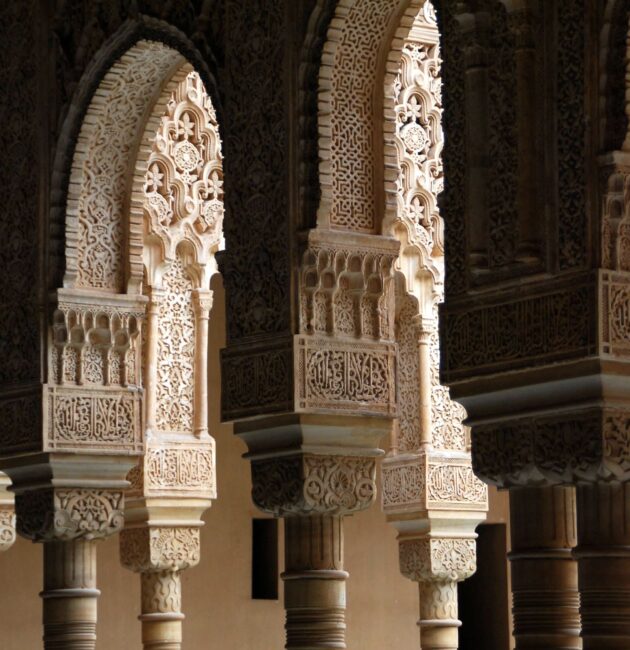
[431, 481]
[403, 484]
[63, 515]
[454, 485]
[257, 380]
[180, 469]
[345, 376]
[585, 445]
[519, 333]
[307, 484]
[21, 418]
[80, 419]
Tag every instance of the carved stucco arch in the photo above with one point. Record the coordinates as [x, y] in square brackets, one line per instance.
[177, 49]
[361, 53]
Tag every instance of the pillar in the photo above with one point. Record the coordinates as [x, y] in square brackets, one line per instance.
[70, 595]
[161, 610]
[314, 582]
[159, 554]
[603, 555]
[544, 574]
[437, 565]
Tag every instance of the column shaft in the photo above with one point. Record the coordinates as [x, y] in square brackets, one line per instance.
[544, 575]
[70, 595]
[314, 583]
[603, 555]
[161, 610]
[438, 622]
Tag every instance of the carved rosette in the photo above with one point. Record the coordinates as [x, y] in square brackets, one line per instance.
[306, 484]
[67, 514]
[444, 559]
[587, 445]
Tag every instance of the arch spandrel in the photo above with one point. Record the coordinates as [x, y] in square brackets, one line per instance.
[98, 192]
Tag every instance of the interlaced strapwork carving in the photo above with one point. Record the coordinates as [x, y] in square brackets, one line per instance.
[95, 258]
[349, 183]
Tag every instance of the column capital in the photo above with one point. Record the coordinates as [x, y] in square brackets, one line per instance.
[160, 548]
[438, 559]
[313, 484]
[62, 514]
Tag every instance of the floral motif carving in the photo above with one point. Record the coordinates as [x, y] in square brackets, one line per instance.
[183, 192]
[7, 528]
[309, 484]
[571, 151]
[256, 271]
[160, 548]
[23, 167]
[96, 214]
[443, 559]
[419, 138]
[56, 514]
[176, 352]
[408, 337]
[455, 159]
